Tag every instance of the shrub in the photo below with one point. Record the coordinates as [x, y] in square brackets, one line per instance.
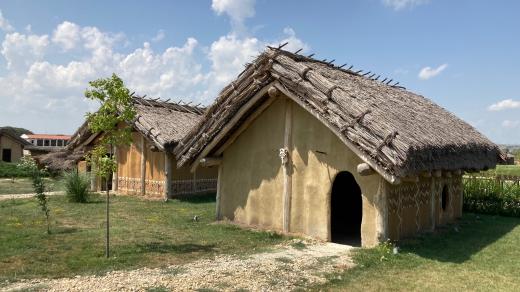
[10, 170]
[492, 196]
[77, 187]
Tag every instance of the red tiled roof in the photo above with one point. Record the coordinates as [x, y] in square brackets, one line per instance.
[48, 136]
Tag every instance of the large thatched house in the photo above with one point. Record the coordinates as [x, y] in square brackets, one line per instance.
[306, 147]
[11, 146]
[147, 167]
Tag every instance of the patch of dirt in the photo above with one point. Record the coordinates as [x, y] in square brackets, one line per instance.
[27, 196]
[296, 264]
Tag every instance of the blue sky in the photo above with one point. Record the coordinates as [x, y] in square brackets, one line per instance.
[464, 55]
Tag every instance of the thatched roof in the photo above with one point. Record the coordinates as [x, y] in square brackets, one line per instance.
[397, 132]
[163, 123]
[68, 157]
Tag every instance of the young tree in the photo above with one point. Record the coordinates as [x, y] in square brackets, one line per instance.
[37, 177]
[112, 121]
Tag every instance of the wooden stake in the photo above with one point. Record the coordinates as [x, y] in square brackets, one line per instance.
[143, 166]
[219, 193]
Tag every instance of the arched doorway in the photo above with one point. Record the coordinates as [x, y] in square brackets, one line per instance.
[346, 208]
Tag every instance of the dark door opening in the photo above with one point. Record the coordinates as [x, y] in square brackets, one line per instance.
[6, 155]
[346, 210]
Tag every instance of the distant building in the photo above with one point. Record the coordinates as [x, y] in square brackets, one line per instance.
[11, 146]
[45, 143]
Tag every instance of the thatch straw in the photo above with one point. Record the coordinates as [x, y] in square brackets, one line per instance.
[400, 131]
[161, 122]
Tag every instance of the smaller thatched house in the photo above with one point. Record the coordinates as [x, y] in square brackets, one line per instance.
[11, 146]
[307, 147]
[147, 167]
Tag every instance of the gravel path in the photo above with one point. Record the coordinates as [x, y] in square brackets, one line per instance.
[27, 196]
[289, 266]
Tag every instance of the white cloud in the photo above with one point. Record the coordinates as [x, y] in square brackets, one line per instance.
[237, 10]
[504, 104]
[429, 72]
[230, 53]
[159, 36]
[67, 35]
[34, 86]
[21, 50]
[403, 4]
[510, 124]
[4, 23]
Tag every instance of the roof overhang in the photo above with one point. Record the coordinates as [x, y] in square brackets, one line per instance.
[253, 101]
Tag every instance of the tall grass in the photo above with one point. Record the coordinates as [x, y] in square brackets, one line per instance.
[77, 187]
[492, 195]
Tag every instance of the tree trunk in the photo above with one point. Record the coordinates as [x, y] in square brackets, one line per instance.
[107, 247]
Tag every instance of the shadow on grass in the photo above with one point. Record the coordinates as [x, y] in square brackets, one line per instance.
[65, 230]
[161, 247]
[197, 198]
[456, 243]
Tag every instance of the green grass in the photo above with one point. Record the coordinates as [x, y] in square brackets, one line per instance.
[483, 254]
[512, 170]
[24, 185]
[143, 233]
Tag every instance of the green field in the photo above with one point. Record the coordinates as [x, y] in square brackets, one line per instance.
[144, 233]
[24, 185]
[513, 170]
[481, 253]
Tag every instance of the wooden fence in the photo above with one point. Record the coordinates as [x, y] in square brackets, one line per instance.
[185, 187]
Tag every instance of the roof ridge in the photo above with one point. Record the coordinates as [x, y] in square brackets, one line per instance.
[180, 105]
[367, 75]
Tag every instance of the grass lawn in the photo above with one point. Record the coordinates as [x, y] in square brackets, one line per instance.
[483, 255]
[24, 186]
[143, 233]
[513, 170]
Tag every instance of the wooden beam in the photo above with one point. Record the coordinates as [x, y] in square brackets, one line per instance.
[168, 175]
[413, 178]
[426, 174]
[287, 167]
[389, 177]
[245, 125]
[219, 193]
[364, 169]
[273, 92]
[230, 125]
[210, 161]
[143, 166]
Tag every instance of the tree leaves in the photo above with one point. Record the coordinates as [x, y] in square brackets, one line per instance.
[111, 120]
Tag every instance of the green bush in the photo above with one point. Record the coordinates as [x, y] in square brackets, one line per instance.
[8, 169]
[77, 187]
[492, 196]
